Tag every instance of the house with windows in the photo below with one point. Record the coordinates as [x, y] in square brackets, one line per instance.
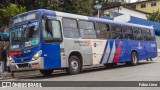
[148, 6]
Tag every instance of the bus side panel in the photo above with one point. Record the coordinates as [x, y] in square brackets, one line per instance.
[151, 49]
[83, 46]
[124, 55]
[52, 56]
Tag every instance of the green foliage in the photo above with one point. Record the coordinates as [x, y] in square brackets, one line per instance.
[155, 16]
[7, 13]
[82, 7]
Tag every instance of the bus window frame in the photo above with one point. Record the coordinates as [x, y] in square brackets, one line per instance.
[120, 32]
[140, 29]
[126, 33]
[70, 27]
[53, 41]
[108, 30]
[143, 34]
[153, 37]
[87, 29]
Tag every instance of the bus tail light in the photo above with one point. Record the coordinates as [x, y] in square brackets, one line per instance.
[37, 55]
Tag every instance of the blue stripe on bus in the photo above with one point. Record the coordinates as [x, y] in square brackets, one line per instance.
[104, 52]
[49, 12]
[111, 47]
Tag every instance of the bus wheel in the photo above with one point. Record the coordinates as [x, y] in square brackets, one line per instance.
[134, 58]
[46, 72]
[74, 65]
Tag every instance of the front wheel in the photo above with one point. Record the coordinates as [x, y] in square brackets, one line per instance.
[46, 72]
[74, 65]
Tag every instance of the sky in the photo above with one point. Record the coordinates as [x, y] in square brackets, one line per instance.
[133, 0]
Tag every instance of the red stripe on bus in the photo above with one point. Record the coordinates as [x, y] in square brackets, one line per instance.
[117, 54]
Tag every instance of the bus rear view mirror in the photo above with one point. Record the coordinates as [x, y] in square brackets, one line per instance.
[48, 26]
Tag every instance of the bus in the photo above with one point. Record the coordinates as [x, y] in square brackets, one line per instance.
[47, 40]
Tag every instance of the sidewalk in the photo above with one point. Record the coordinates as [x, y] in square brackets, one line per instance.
[7, 75]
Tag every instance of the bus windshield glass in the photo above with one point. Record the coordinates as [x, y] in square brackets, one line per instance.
[24, 32]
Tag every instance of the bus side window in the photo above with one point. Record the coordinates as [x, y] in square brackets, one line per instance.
[52, 31]
[128, 33]
[102, 30]
[87, 29]
[152, 38]
[70, 28]
[116, 32]
[137, 33]
[116, 28]
[146, 34]
[116, 35]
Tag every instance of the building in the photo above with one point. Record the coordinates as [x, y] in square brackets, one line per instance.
[148, 6]
[129, 15]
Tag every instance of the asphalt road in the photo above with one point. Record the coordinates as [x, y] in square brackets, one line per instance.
[145, 71]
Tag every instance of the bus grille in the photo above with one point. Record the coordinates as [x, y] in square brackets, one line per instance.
[22, 65]
[23, 55]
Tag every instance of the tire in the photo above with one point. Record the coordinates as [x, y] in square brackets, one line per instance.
[74, 65]
[134, 59]
[46, 72]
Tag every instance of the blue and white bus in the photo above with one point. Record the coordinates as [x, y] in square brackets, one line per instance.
[47, 40]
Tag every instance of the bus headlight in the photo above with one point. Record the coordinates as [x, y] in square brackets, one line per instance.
[37, 55]
[11, 59]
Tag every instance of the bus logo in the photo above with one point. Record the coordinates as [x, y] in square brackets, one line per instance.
[139, 46]
[95, 44]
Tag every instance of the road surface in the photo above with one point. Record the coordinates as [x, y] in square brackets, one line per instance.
[145, 71]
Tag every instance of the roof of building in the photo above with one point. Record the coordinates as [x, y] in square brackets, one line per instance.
[141, 2]
[126, 6]
[140, 21]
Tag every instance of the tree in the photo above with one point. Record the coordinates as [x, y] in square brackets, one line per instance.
[7, 13]
[83, 7]
[155, 16]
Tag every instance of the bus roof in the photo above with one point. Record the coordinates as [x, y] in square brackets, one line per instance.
[76, 16]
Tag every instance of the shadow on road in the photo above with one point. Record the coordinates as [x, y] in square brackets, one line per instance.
[61, 73]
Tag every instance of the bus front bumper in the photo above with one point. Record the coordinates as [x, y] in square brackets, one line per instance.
[32, 65]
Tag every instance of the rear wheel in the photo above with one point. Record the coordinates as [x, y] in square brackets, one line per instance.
[46, 72]
[74, 65]
[134, 58]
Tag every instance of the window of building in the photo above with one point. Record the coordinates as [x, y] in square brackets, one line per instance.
[70, 28]
[133, 6]
[143, 5]
[102, 30]
[87, 30]
[153, 3]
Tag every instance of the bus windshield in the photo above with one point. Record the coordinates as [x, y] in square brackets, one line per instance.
[25, 34]
[28, 36]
